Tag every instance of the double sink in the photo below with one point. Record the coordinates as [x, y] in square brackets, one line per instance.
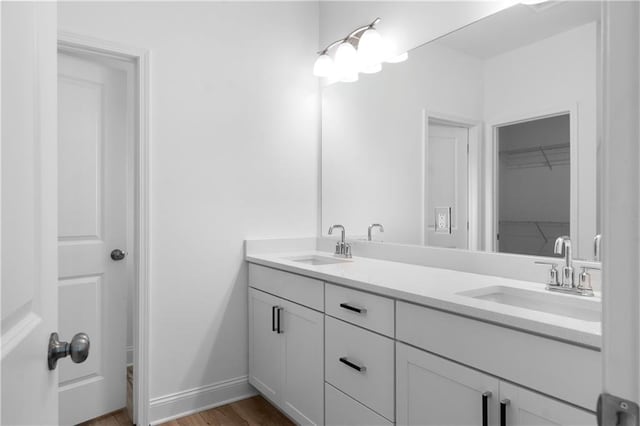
[576, 307]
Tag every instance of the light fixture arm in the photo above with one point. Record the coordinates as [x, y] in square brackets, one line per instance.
[351, 35]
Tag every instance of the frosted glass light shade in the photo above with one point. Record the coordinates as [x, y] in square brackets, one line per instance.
[371, 69]
[346, 62]
[323, 66]
[349, 78]
[370, 48]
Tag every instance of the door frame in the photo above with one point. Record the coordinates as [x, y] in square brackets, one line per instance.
[76, 43]
[620, 203]
[492, 194]
[474, 169]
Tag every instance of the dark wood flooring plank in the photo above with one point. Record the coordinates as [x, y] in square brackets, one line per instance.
[255, 411]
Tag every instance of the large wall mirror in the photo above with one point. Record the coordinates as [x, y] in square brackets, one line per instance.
[484, 139]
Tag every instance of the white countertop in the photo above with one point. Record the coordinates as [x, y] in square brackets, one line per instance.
[439, 288]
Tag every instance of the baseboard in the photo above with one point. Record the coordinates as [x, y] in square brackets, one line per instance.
[169, 407]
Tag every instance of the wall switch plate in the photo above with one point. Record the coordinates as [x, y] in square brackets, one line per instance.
[442, 220]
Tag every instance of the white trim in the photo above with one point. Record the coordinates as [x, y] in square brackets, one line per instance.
[491, 193]
[474, 176]
[169, 407]
[141, 57]
[620, 204]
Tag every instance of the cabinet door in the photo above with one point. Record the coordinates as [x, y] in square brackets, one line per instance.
[265, 345]
[302, 363]
[527, 408]
[432, 391]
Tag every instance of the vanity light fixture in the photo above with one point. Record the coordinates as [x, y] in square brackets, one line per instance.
[362, 51]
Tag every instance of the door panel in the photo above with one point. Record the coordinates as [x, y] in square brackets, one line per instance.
[92, 221]
[265, 345]
[527, 408]
[303, 363]
[29, 298]
[447, 183]
[433, 391]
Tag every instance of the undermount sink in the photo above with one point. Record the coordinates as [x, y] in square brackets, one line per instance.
[578, 307]
[317, 260]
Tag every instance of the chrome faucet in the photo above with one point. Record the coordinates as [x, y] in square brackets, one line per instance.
[563, 244]
[342, 248]
[374, 225]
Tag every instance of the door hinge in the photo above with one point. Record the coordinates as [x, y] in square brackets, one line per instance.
[614, 411]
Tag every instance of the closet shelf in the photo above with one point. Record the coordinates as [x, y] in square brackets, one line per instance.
[540, 156]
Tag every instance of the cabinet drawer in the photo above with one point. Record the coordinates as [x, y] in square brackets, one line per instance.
[503, 352]
[348, 349]
[296, 288]
[366, 310]
[340, 409]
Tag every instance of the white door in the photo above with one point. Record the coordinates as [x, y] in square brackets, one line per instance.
[620, 207]
[303, 363]
[29, 269]
[92, 221]
[265, 346]
[431, 391]
[527, 408]
[446, 185]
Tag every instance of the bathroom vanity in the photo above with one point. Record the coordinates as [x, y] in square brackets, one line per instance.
[370, 342]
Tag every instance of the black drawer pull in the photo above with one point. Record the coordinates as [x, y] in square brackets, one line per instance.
[503, 411]
[278, 317]
[485, 408]
[354, 365]
[273, 318]
[353, 308]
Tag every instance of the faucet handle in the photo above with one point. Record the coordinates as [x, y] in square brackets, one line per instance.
[597, 240]
[584, 281]
[552, 277]
[347, 250]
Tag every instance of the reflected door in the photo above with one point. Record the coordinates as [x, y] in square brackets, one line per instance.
[92, 178]
[447, 186]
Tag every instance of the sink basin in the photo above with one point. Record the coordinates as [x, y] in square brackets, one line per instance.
[578, 307]
[317, 260]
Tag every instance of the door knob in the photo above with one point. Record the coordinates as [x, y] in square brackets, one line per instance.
[78, 348]
[118, 254]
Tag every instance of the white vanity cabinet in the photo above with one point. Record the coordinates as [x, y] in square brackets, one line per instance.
[432, 391]
[336, 355]
[286, 351]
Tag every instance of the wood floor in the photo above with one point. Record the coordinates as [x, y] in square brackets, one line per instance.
[248, 412]
[117, 418]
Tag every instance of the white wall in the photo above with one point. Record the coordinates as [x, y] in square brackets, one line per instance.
[522, 83]
[234, 154]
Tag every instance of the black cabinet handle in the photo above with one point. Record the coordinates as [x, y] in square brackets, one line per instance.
[354, 365]
[503, 411]
[485, 408]
[273, 318]
[278, 318]
[353, 308]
